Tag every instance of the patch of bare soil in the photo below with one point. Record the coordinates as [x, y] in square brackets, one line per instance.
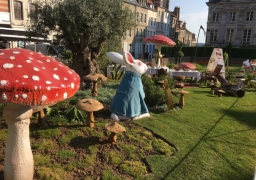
[80, 146]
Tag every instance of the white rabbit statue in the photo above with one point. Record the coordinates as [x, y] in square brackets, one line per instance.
[128, 102]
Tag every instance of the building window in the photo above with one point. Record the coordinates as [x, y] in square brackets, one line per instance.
[141, 33]
[249, 16]
[137, 16]
[154, 21]
[130, 32]
[232, 16]
[137, 32]
[141, 17]
[214, 34]
[145, 18]
[230, 33]
[215, 17]
[33, 9]
[247, 35]
[151, 21]
[18, 10]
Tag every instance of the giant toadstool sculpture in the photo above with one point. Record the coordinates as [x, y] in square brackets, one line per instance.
[30, 81]
[159, 40]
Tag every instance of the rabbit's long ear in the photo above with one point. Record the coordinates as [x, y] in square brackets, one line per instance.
[127, 57]
[116, 57]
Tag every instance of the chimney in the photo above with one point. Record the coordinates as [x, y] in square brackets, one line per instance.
[177, 12]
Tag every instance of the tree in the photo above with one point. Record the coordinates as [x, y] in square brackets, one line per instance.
[178, 53]
[83, 26]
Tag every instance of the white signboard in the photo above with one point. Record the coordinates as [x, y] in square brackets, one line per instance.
[216, 58]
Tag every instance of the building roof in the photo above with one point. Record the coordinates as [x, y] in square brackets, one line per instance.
[132, 2]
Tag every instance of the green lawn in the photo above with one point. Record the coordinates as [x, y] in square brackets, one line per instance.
[215, 137]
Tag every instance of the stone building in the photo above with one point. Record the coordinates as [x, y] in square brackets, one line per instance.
[179, 31]
[231, 21]
[13, 20]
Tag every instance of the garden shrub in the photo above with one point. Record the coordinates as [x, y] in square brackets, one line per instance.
[154, 94]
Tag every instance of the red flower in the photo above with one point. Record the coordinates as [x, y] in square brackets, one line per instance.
[254, 72]
[249, 67]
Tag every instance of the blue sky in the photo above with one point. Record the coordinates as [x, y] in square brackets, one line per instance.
[194, 13]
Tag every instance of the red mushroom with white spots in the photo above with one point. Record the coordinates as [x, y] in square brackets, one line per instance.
[30, 81]
[159, 40]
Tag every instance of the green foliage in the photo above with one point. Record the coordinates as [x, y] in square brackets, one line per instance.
[171, 65]
[74, 115]
[117, 73]
[163, 147]
[43, 144]
[51, 173]
[46, 133]
[226, 59]
[65, 154]
[199, 67]
[80, 23]
[108, 174]
[154, 94]
[113, 157]
[42, 160]
[64, 140]
[133, 168]
[3, 134]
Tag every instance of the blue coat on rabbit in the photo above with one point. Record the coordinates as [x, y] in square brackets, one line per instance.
[128, 102]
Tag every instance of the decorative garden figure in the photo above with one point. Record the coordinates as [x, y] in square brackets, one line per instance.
[128, 102]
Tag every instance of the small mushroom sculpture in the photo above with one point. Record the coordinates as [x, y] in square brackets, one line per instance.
[114, 128]
[89, 106]
[29, 81]
[159, 40]
[220, 91]
[182, 99]
[94, 78]
[213, 87]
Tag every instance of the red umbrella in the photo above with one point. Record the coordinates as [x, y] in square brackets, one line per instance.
[160, 40]
[187, 65]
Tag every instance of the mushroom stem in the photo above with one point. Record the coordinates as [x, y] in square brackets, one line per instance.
[182, 100]
[90, 119]
[112, 138]
[42, 119]
[212, 91]
[18, 163]
[158, 47]
[95, 88]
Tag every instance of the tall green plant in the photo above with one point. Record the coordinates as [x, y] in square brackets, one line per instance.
[117, 73]
[178, 53]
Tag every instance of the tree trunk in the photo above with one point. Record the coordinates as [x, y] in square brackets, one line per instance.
[83, 65]
[85, 60]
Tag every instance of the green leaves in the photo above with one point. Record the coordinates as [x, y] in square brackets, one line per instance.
[117, 73]
[74, 115]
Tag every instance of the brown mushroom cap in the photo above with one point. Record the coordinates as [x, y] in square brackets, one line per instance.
[89, 105]
[95, 77]
[182, 92]
[221, 91]
[178, 77]
[114, 127]
[212, 86]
